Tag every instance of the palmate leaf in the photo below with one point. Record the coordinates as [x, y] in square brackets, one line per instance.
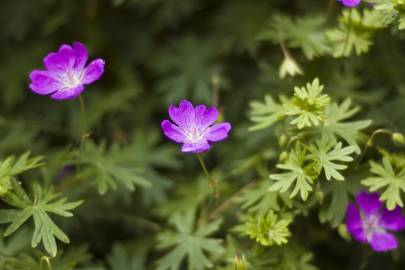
[337, 127]
[268, 229]
[44, 202]
[337, 196]
[354, 32]
[106, 168]
[304, 32]
[327, 157]
[259, 200]
[12, 166]
[188, 243]
[186, 67]
[388, 179]
[308, 105]
[296, 174]
[391, 10]
[265, 114]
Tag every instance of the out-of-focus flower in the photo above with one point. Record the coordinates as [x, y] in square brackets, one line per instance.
[350, 3]
[195, 128]
[66, 73]
[368, 221]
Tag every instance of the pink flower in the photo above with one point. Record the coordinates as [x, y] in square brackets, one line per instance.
[66, 73]
[350, 3]
[194, 128]
[368, 221]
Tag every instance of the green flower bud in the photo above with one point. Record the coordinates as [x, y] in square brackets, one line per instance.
[282, 140]
[239, 262]
[283, 156]
[289, 67]
[398, 138]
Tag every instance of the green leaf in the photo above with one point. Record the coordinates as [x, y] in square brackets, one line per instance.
[265, 114]
[308, 105]
[45, 229]
[260, 200]
[268, 229]
[296, 173]
[306, 33]
[326, 157]
[354, 32]
[337, 196]
[13, 166]
[388, 179]
[187, 67]
[188, 243]
[337, 127]
[107, 168]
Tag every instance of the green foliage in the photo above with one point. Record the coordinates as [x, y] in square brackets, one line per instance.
[268, 229]
[325, 157]
[389, 179]
[106, 168]
[296, 175]
[308, 105]
[305, 33]
[188, 242]
[391, 10]
[42, 203]
[354, 33]
[336, 127]
[11, 167]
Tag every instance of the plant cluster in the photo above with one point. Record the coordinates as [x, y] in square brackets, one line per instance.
[180, 134]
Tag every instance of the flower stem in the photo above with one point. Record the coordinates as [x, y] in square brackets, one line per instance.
[83, 128]
[45, 263]
[370, 141]
[349, 26]
[213, 183]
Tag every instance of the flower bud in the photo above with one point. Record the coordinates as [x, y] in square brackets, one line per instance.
[283, 156]
[319, 195]
[239, 262]
[282, 140]
[289, 67]
[398, 138]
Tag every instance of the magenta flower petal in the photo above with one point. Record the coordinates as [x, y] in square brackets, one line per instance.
[383, 242]
[354, 223]
[81, 55]
[350, 3]
[184, 115]
[195, 147]
[94, 71]
[44, 82]
[369, 221]
[70, 93]
[194, 127]
[393, 220]
[66, 72]
[218, 132]
[369, 203]
[206, 117]
[173, 132]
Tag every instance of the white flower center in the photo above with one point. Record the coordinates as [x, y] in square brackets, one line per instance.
[194, 135]
[371, 225]
[71, 78]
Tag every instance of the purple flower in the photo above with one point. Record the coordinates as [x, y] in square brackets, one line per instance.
[194, 127]
[368, 221]
[350, 3]
[66, 74]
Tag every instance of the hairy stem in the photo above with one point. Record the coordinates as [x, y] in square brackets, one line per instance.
[212, 182]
